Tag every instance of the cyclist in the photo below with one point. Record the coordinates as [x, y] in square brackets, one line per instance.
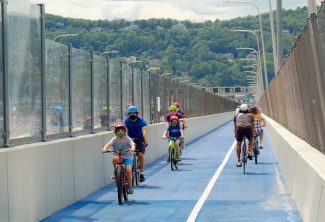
[104, 116]
[57, 118]
[172, 111]
[121, 142]
[259, 123]
[174, 130]
[244, 126]
[182, 113]
[137, 130]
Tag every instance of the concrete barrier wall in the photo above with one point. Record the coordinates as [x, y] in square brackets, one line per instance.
[303, 168]
[39, 179]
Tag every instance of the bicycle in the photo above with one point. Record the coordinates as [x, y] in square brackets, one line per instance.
[244, 154]
[255, 148]
[135, 169]
[120, 177]
[172, 154]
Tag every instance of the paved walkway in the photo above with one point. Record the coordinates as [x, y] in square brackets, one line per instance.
[260, 195]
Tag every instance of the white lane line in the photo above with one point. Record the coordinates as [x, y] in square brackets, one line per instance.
[208, 189]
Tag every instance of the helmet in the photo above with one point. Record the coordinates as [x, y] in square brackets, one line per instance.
[119, 125]
[58, 109]
[172, 108]
[173, 118]
[133, 109]
[176, 104]
[243, 107]
[105, 109]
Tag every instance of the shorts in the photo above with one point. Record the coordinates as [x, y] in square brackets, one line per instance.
[139, 145]
[244, 131]
[127, 162]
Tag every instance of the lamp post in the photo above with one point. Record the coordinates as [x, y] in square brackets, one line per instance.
[261, 30]
[132, 73]
[259, 52]
[108, 84]
[151, 117]
[65, 35]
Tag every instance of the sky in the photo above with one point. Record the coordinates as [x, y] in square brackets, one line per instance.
[193, 10]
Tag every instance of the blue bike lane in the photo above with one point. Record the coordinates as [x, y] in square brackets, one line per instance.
[260, 195]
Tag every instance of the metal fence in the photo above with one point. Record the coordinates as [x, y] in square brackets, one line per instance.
[51, 90]
[296, 97]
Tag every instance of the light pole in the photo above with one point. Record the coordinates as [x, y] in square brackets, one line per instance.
[154, 99]
[259, 52]
[132, 73]
[261, 30]
[64, 35]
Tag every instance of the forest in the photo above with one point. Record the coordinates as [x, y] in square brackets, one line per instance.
[202, 52]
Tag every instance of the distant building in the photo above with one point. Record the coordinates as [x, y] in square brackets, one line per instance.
[97, 29]
[158, 27]
[179, 26]
[132, 27]
[154, 62]
[59, 25]
[229, 56]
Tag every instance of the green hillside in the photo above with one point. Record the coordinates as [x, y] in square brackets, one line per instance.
[197, 49]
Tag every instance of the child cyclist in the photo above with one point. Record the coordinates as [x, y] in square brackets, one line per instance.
[174, 130]
[122, 142]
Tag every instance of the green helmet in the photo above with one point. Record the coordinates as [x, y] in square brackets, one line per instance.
[105, 109]
[172, 108]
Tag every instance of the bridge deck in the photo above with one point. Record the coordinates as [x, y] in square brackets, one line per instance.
[260, 195]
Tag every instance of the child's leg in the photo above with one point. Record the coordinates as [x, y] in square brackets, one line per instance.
[129, 174]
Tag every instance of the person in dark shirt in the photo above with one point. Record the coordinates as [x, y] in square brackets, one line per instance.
[137, 130]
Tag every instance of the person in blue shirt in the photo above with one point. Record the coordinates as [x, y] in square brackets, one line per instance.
[137, 130]
[174, 130]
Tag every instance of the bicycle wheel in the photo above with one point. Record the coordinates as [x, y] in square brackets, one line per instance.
[175, 159]
[119, 184]
[125, 186]
[135, 171]
[171, 155]
[256, 150]
[244, 159]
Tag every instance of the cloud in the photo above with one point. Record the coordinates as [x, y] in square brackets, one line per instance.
[194, 10]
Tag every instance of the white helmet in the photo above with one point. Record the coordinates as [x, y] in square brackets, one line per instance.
[243, 107]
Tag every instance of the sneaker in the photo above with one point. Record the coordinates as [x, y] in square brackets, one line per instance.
[238, 164]
[168, 159]
[249, 155]
[130, 191]
[261, 147]
[142, 178]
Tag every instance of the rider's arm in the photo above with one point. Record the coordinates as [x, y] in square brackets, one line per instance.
[106, 147]
[165, 134]
[182, 133]
[145, 134]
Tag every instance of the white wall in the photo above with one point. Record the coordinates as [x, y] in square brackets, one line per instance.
[39, 179]
[303, 168]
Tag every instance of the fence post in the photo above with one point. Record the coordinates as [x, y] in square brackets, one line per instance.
[141, 83]
[121, 89]
[43, 73]
[92, 92]
[6, 129]
[108, 93]
[70, 88]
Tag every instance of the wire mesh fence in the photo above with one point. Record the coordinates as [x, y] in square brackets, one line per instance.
[83, 92]
[296, 97]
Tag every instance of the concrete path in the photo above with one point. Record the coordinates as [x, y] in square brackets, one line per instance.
[196, 192]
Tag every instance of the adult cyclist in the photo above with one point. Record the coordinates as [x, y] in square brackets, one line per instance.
[244, 126]
[137, 130]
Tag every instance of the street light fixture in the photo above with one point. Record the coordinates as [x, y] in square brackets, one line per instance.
[64, 35]
[259, 52]
[152, 69]
[261, 30]
[109, 52]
